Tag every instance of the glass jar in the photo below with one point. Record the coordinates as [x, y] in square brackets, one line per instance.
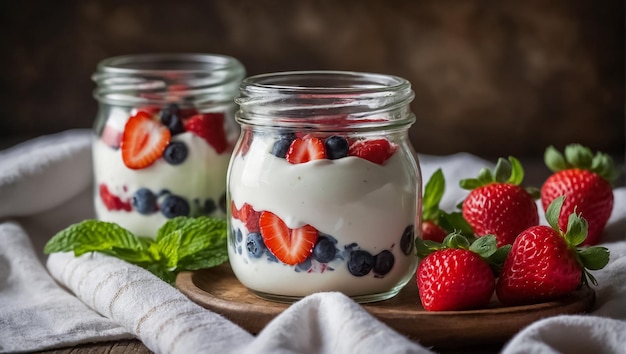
[324, 187]
[164, 133]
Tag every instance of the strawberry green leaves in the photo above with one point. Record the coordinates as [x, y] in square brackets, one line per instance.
[181, 244]
[578, 156]
[592, 258]
[506, 171]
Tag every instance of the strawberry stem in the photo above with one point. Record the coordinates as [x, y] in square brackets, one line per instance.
[578, 156]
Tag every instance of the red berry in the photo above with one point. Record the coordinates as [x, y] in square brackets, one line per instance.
[433, 232]
[373, 150]
[111, 201]
[454, 279]
[143, 141]
[586, 192]
[290, 246]
[540, 267]
[247, 215]
[500, 209]
[210, 127]
[305, 149]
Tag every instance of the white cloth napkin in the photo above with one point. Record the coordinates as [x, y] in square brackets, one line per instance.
[45, 185]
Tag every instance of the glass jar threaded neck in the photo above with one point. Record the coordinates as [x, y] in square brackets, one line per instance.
[156, 79]
[317, 98]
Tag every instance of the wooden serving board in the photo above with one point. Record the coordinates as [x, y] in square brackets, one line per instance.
[218, 290]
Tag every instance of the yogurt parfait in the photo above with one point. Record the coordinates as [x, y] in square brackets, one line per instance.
[163, 138]
[324, 187]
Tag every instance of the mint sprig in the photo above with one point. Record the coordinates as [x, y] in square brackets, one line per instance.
[181, 244]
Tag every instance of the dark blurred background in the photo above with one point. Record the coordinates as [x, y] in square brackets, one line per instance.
[491, 77]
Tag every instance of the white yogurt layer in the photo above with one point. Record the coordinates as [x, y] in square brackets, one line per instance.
[202, 175]
[352, 199]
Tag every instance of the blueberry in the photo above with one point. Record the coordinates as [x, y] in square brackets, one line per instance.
[383, 262]
[360, 263]
[270, 256]
[324, 250]
[336, 147]
[239, 251]
[406, 242]
[171, 119]
[239, 236]
[255, 245]
[144, 201]
[173, 206]
[209, 206]
[304, 266]
[175, 153]
[281, 146]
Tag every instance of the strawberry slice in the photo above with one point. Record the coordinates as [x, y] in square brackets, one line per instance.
[111, 136]
[210, 127]
[306, 149]
[112, 201]
[143, 141]
[291, 246]
[373, 150]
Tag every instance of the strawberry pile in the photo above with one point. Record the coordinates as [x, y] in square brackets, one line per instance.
[147, 135]
[529, 263]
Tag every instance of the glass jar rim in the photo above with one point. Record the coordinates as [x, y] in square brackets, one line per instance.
[147, 78]
[137, 63]
[292, 98]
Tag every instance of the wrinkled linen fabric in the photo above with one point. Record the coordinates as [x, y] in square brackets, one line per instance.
[46, 184]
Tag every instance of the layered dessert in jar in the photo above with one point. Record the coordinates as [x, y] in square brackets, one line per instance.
[313, 209]
[164, 135]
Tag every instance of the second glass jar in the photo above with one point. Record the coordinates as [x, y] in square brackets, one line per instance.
[164, 134]
[324, 187]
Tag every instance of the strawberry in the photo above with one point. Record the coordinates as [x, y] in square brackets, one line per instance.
[290, 246]
[210, 127]
[143, 141]
[373, 150]
[306, 149]
[112, 201]
[544, 263]
[247, 215]
[497, 204]
[586, 181]
[455, 275]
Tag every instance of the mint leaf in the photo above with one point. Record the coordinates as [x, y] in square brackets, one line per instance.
[94, 235]
[181, 244]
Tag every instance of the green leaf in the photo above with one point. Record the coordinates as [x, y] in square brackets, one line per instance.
[502, 171]
[433, 192]
[426, 247]
[554, 160]
[576, 229]
[183, 237]
[517, 172]
[456, 240]
[604, 166]
[207, 258]
[579, 156]
[93, 235]
[455, 222]
[553, 212]
[595, 258]
[469, 183]
[484, 176]
[534, 192]
[484, 246]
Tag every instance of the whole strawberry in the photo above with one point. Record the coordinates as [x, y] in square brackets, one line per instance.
[497, 204]
[454, 275]
[585, 180]
[544, 263]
